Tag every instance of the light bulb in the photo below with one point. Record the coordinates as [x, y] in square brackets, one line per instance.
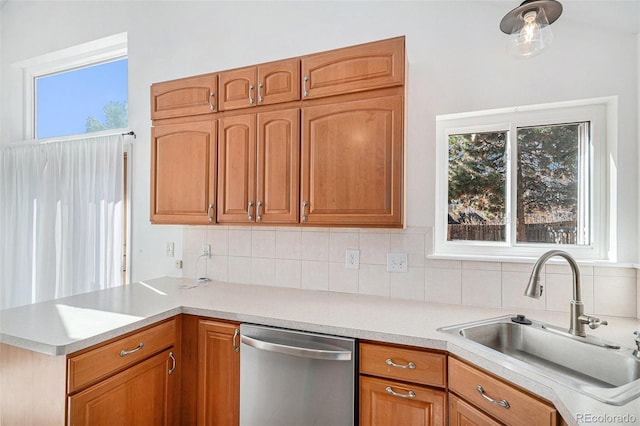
[530, 34]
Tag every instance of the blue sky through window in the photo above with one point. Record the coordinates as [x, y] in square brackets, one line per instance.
[65, 100]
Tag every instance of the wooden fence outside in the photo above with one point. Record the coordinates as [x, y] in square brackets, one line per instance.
[552, 233]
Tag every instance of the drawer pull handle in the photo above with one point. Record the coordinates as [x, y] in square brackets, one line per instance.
[410, 394]
[173, 363]
[501, 402]
[236, 333]
[211, 104]
[130, 351]
[390, 363]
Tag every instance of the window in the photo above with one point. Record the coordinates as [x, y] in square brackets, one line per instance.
[81, 100]
[519, 182]
[77, 90]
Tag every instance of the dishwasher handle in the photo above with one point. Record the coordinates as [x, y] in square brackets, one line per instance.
[323, 354]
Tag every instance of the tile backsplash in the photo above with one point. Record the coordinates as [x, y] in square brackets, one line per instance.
[314, 259]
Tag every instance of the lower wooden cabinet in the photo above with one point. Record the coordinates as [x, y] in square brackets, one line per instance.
[141, 395]
[134, 379]
[497, 398]
[218, 401]
[401, 385]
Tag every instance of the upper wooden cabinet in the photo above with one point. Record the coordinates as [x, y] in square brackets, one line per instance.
[325, 147]
[352, 163]
[353, 69]
[183, 97]
[263, 84]
[183, 164]
[258, 167]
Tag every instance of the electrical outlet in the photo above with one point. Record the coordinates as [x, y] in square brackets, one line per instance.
[352, 260]
[178, 264]
[206, 250]
[397, 262]
[170, 248]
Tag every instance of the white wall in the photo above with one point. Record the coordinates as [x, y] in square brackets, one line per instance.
[456, 57]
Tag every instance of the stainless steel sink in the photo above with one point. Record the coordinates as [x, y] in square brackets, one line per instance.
[603, 370]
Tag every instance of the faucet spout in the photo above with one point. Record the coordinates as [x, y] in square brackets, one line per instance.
[578, 317]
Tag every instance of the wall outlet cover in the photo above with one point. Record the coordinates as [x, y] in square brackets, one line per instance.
[352, 260]
[397, 262]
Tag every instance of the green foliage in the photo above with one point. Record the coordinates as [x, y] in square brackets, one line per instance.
[548, 168]
[477, 173]
[116, 117]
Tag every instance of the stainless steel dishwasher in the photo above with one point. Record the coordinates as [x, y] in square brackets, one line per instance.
[292, 378]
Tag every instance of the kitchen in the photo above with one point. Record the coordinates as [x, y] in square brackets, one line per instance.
[164, 43]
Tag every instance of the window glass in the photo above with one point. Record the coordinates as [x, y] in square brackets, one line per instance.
[477, 186]
[82, 100]
[548, 199]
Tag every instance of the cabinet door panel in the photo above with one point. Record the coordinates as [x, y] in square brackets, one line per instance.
[236, 168]
[463, 414]
[141, 395]
[237, 88]
[353, 69]
[279, 82]
[278, 168]
[218, 374]
[352, 161]
[183, 161]
[379, 407]
[187, 96]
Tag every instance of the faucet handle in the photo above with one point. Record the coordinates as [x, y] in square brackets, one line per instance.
[637, 339]
[591, 321]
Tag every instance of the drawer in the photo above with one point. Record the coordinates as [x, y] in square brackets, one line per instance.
[385, 402]
[402, 363]
[95, 364]
[522, 407]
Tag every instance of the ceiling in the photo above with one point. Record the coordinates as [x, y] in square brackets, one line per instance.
[615, 15]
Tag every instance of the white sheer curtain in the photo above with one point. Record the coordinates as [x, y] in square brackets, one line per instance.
[61, 218]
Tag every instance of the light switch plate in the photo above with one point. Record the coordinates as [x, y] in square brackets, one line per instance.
[397, 262]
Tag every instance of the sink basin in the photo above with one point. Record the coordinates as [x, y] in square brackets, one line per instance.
[603, 370]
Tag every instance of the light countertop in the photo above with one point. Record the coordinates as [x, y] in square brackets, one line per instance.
[63, 326]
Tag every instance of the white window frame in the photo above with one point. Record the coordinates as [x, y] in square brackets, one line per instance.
[83, 55]
[602, 115]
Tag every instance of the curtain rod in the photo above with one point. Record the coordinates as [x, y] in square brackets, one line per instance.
[72, 138]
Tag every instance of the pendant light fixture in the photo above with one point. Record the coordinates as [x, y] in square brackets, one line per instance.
[528, 26]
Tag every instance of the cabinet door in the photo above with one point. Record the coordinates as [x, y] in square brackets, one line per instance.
[278, 166]
[218, 373]
[187, 96]
[353, 69]
[279, 82]
[183, 165]
[463, 414]
[237, 88]
[141, 395]
[352, 161]
[237, 169]
[387, 403]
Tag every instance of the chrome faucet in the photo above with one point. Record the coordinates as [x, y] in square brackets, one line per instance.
[578, 318]
[636, 352]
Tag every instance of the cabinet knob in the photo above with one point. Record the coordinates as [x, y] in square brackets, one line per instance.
[251, 100]
[305, 203]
